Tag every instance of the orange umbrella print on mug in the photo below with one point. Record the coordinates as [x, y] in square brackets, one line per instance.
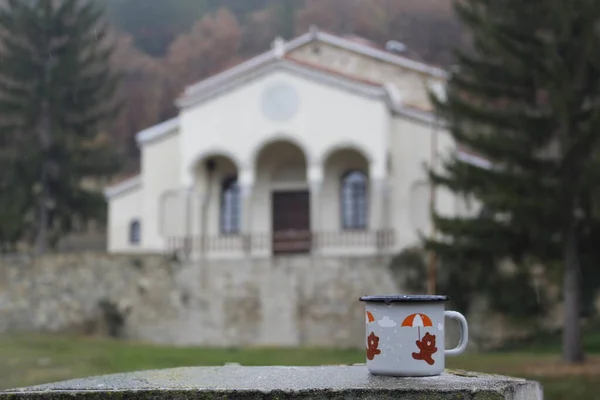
[370, 317]
[417, 320]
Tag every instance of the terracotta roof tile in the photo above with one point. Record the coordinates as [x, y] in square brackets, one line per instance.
[418, 107]
[370, 43]
[331, 70]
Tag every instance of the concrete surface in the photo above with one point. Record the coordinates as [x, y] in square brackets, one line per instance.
[236, 382]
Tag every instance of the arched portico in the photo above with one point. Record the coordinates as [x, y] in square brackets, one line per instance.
[280, 198]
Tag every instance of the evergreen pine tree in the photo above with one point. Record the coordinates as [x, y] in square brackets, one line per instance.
[286, 12]
[526, 99]
[56, 96]
[14, 200]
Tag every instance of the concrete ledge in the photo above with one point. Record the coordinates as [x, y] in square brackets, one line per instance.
[236, 382]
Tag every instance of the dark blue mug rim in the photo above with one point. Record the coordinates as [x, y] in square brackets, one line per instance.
[404, 298]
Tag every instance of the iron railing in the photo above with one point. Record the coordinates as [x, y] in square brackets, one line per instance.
[284, 242]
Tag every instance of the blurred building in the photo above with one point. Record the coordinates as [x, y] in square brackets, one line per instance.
[317, 146]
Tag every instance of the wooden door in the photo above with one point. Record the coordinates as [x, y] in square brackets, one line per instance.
[291, 222]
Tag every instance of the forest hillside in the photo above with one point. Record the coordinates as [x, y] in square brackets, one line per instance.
[165, 45]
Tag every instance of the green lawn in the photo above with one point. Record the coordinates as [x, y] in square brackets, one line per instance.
[27, 360]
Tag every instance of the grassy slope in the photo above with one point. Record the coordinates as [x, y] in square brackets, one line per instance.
[27, 360]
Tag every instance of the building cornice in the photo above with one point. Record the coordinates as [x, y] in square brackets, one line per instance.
[302, 70]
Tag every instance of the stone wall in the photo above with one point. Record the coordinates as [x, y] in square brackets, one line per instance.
[284, 301]
[74, 292]
[287, 301]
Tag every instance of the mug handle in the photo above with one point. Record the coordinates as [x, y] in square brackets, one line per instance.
[464, 333]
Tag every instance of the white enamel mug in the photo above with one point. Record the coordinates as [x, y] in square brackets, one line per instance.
[405, 334]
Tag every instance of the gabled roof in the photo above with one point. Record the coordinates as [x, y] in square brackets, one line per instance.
[210, 88]
[315, 35]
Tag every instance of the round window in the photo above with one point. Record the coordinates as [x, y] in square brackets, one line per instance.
[280, 102]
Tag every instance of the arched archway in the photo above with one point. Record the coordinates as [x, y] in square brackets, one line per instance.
[217, 199]
[279, 140]
[281, 185]
[217, 154]
[346, 190]
[353, 199]
[345, 147]
[282, 163]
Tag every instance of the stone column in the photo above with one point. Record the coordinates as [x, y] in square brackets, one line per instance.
[315, 213]
[246, 216]
[188, 221]
[377, 200]
[315, 181]
[388, 214]
[246, 182]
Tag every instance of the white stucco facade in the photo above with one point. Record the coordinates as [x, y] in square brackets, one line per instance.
[289, 144]
[327, 118]
[124, 209]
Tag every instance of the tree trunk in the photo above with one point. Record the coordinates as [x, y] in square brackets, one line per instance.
[571, 345]
[41, 242]
[41, 239]
[288, 28]
[43, 220]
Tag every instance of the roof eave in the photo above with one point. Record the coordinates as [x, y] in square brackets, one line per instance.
[157, 131]
[423, 117]
[123, 187]
[231, 73]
